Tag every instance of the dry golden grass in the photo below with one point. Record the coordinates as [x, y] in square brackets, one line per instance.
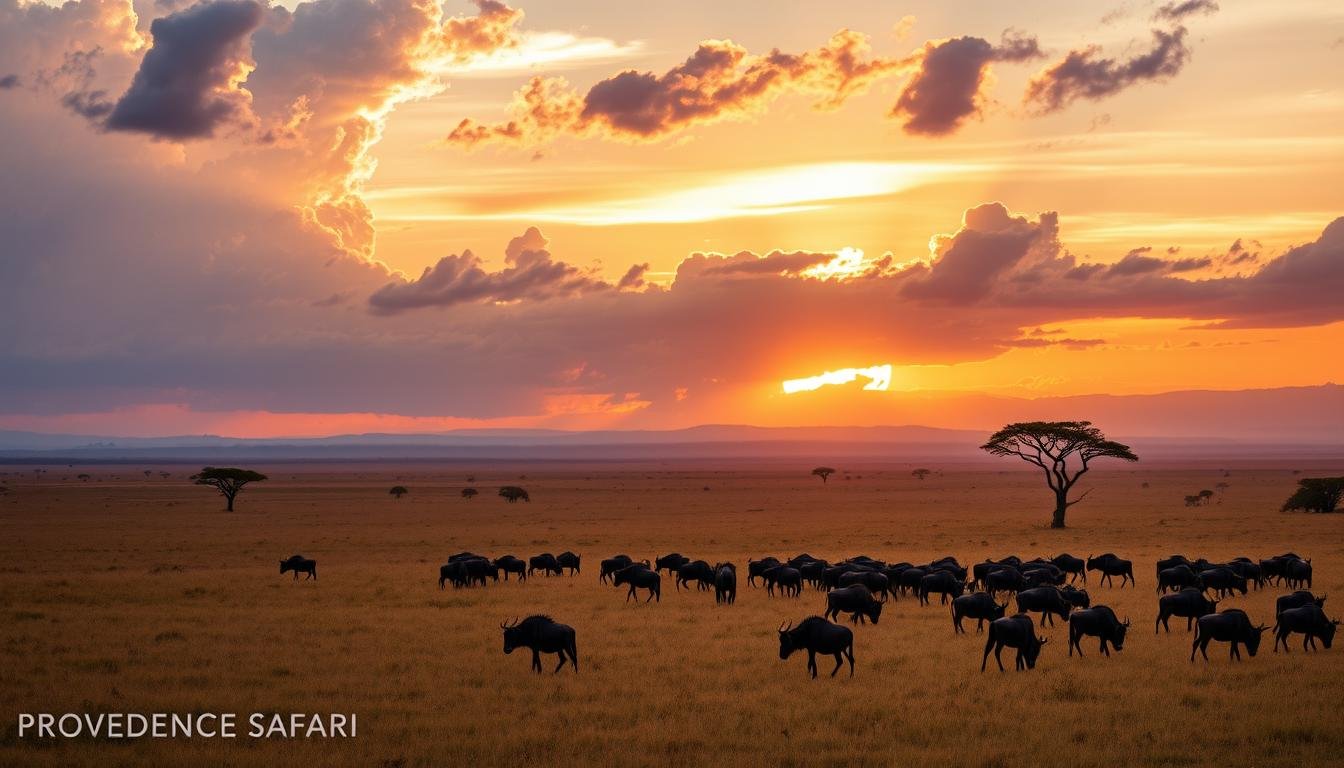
[142, 595]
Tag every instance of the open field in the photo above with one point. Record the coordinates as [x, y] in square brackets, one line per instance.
[141, 595]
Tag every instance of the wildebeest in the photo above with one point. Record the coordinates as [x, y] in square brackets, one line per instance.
[856, 600]
[1097, 622]
[725, 583]
[756, 567]
[876, 581]
[510, 564]
[698, 572]
[568, 560]
[788, 579]
[639, 577]
[455, 572]
[670, 563]
[542, 634]
[1172, 562]
[1110, 565]
[1078, 598]
[1310, 621]
[814, 573]
[1048, 601]
[476, 570]
[1247, 569]
[1017, 632]
[979, 606]
[1189, 604]
[910, 578]
[1075, 567]
[1176, 578]
[1041, 574]
[817, 635]
[944, 583]
[1297, 573]
[1004, 579]
[545, 563]
[1230, 626]
[1222, 582]
[1297, 600]
[612, 565]
[1273, 568]
[299, 564]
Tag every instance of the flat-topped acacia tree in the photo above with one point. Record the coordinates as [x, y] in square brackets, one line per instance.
[228, 480]
[1051, 445]
[823, 473]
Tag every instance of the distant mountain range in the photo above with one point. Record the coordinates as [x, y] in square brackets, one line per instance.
[1296, 421]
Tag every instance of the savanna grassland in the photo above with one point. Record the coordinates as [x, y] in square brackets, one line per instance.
[122, 593]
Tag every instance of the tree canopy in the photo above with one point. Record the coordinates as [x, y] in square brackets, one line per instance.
[1316, 494]
[823, 472]
[921, 473]
[1051, 445]
[512, 493]
[398, 491]
[467, 493]
[227, 480]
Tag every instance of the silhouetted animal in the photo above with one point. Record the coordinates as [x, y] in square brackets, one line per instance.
[1041, 574]
[856, 600]
[477, 570]
[1018, 632]
[943, 583]
[541, 634]
[725, 583]
[1097, 622]
[612, 565]
[1248, 569]
[1048, 601]
[1172, 562]
[1004, 579]
[1176, 578]
[510, 564]
[568, 560]
[639, 577]
[1297, 573]
[1189, 604]
[787, 578]
[1310, 621]
[910, 578]
[979, 606]
[1222, 582]
[670, 563]
[1273, 568]
[1110, 565]
[756, 567]
[299, 564]
[1230, 626]
[1297, 600]
[698, 573]
[817, 635]
[1078, 598]
[455, 572]
[546, 563]
[814, 573]
[876, 581]
[1075, 567]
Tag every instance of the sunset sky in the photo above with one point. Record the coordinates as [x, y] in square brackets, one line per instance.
[390, 215]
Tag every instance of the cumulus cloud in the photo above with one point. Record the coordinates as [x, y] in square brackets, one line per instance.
[1086, 74]
[189, 83]
[948, 86]
[721, 80]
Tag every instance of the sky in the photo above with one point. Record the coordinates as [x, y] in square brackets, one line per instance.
[392, 215]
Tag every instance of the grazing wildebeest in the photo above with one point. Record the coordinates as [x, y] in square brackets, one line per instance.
[464, 556]
[1078, 598]
[545, 563]
[1273, 567]
[797, 560]
[814, 573]
[670, 563]
[1075, 567]
[1310, 621]
[1189, 604]
[910, 578]
[1017, 632]
[1172, 562]
[756, 567]
[612, 565]
[1230, 626]
[1042, 577]
[1222, 582]
[856, 600]
[1097, 622]
[817, 635]
[1297, 573]
[1004, 579]
[725, 583]
[948, 564]
[639, 577]
[788, 579]
[510, 564]
[1247, 569]
[1110, 565]
[455, 572]
[943, 583]
[979, 606]
[876, 581]
[541, 634]
[698, 572]
[299, 564]
[1297, 600]
[1048, 601]
[476, 570]
[568, 560]
[1176, 578]
[980, 570]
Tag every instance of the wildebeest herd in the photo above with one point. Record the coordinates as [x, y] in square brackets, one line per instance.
[860, 586]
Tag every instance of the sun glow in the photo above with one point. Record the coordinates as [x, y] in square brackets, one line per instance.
[879, 379]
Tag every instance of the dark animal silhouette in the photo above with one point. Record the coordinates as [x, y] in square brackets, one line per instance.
[756, 567]
[1176, 578]
[541, 634]
[1297, 600]
[1097, 622]
[1078, 598]
[546, 563]
[725, 583]
[876, 581]
[476, 571]
[1222, 582]
[1075, 567]
[299, 564]
[979, 606]
[943, 583]
[670, 563]
[1004, 579]
[1309, 621]
[1018, 632]
[1110, 566]
[568, 560]
[1172, 562]
[1248, 569]
[787, 578]
[817, 635]
[1297, 573]
[814, 573]
[612, 565]
[910, 578]
[1272, 569]
[698, 573]
[1230, 626]
[1189, 604]
[1047, 601]
[639, 577]
[455, 572]
[510, 564]
[856, 600]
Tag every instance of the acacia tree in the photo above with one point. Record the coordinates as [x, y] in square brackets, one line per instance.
[1316, 494]
[398, 491]
[823, 473]
[227, 480]
[921, 473]
[468, 493]
[512, 493]
[1051, 445]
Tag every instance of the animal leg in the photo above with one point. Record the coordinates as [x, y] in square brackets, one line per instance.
[561, 665]
[536, 661]
[839, 662]
[812, 662]
[850, 653]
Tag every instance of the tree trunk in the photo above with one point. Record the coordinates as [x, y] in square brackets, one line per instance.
[229, 497]
[1061, 506]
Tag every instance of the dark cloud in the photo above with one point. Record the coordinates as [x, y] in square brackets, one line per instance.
[947, 89]
[1085, 74]
[1176, 12]
[9, 81]
[633, 278]
[93, 105]
[188, 83]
